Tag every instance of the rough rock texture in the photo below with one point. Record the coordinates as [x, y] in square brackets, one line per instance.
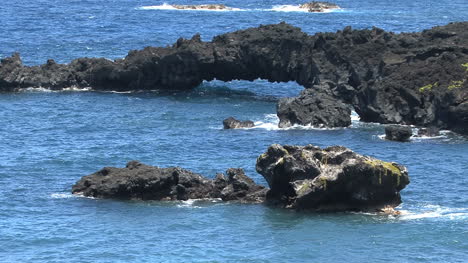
[318, 7]
[398, 133]
[407, 78]
[140, 181]
[313, 108]
[231, 123]
[330, 179]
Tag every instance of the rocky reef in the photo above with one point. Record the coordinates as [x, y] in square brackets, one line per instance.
[408, 78]
[318, 7]
[300, 177]
[232, 123]
[202, 7]
[398, 133]
[330, 179]
[138, 181]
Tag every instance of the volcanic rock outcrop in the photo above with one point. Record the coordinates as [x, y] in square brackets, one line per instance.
[398, 133]
[144, 182]
[330, 179]
[407, 78]
[232, 123]
[318, 7]
[313, 108]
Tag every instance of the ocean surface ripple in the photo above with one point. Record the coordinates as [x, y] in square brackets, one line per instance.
[50, 139]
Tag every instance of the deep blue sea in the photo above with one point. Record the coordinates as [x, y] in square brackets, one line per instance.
[49, 140]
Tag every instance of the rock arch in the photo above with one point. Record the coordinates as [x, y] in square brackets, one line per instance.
[381, 74]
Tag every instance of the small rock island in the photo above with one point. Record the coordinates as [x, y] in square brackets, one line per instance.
[299, 177]
[202, 7]
[318, 7]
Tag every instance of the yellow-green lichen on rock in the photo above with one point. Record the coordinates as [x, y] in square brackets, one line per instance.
[428, 87]
[455, 84]
[321, 182]
[303, 188]
[388, 168]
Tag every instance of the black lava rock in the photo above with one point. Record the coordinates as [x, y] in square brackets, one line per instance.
[231, 123]
[398, 133]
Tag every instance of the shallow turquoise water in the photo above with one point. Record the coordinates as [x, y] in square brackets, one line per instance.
[50, 139]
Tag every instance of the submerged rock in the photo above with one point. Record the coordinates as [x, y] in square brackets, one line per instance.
[319, 7]
[144, 182]
[315, 109]
[330, 179]
[398, 133]
[232, 123]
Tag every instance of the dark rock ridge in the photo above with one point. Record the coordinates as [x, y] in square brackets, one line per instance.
[144, 182]
[318, 7]
[232, 123]
[398, 133]
[408, 78]
[330, 179]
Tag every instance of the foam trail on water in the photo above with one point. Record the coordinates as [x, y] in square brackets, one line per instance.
[295, 8]
[41, 89]
[166, 6]
[437, 212]
[61, 195]
[191, 203]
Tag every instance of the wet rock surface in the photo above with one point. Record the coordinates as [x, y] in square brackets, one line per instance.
[330, 179]
[408, 78]
[318, 7]
[232, 123]
[313, 108]
[398, 133]
[143, 182]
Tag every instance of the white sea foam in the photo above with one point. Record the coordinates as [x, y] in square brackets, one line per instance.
[355, 117]
[41, 89]
[296, 8]
[61, 195]
[270, 122]
[166, 6]
[435, 211]
[415, 138]
[191, 203]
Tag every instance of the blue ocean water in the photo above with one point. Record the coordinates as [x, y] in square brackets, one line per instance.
[50, 139]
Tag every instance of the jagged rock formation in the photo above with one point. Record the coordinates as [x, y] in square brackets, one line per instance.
[330, 179]
[232, 123]
[313, 108]
[144, 182]
[408, 78]
[318, 7]
[398, 133]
